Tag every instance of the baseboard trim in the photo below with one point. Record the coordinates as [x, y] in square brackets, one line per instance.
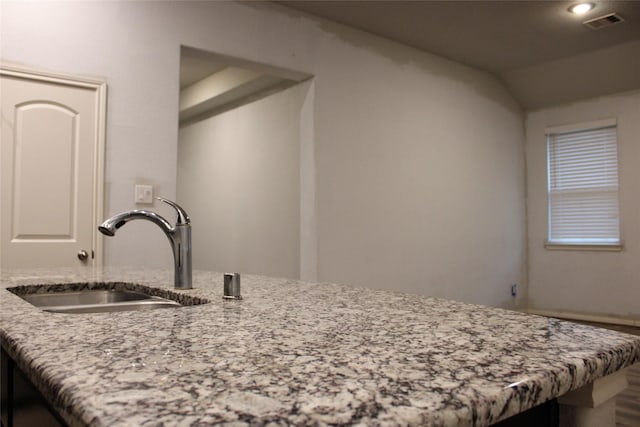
[585, 317]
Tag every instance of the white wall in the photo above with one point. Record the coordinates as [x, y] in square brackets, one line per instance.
[238, 175]
[599, 283]
[421, 188]
[418, 160]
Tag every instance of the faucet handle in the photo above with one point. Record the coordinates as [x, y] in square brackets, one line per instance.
[183, 218]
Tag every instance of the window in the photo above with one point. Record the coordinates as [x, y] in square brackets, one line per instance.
[582, 165]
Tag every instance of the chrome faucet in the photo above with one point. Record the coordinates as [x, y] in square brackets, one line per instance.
[179, 237]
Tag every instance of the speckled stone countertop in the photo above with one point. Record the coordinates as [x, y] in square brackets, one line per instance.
[297, 353]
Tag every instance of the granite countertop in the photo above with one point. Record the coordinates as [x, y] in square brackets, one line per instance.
[297, 353]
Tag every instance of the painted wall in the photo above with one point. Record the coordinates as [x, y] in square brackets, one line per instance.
[421, 188]
[239, 174]
[418, 161]
[601, 283]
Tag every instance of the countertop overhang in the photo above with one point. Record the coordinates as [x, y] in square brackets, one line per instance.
[293, 352]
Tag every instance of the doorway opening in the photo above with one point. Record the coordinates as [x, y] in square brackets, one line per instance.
[246, 165]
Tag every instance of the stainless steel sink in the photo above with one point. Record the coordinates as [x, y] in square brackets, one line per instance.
[97, 301]
[59, 299]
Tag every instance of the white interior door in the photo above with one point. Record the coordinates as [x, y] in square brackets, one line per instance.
[51, 172]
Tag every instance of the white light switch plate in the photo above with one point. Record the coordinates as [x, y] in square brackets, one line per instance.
[143, 194]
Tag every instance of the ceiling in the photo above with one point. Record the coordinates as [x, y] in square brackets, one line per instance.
[195, 67]
[543, 54]
[211, 84]
[519, 41]
[495, 36]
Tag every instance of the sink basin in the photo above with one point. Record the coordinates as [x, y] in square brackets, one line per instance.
[101, 298]
[96, 301]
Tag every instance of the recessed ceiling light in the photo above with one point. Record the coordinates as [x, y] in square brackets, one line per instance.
[581, 8]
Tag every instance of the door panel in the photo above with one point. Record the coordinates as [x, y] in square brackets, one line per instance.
[48, 172]
[46, 133]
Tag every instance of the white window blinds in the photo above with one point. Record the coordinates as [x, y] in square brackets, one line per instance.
[583, 187]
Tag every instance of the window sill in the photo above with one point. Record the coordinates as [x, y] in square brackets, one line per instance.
[590, 248]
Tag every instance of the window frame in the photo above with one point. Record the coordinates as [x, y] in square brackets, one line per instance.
[587, 245]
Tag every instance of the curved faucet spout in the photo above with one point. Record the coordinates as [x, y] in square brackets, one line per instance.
[110, 226]
[179, 237]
